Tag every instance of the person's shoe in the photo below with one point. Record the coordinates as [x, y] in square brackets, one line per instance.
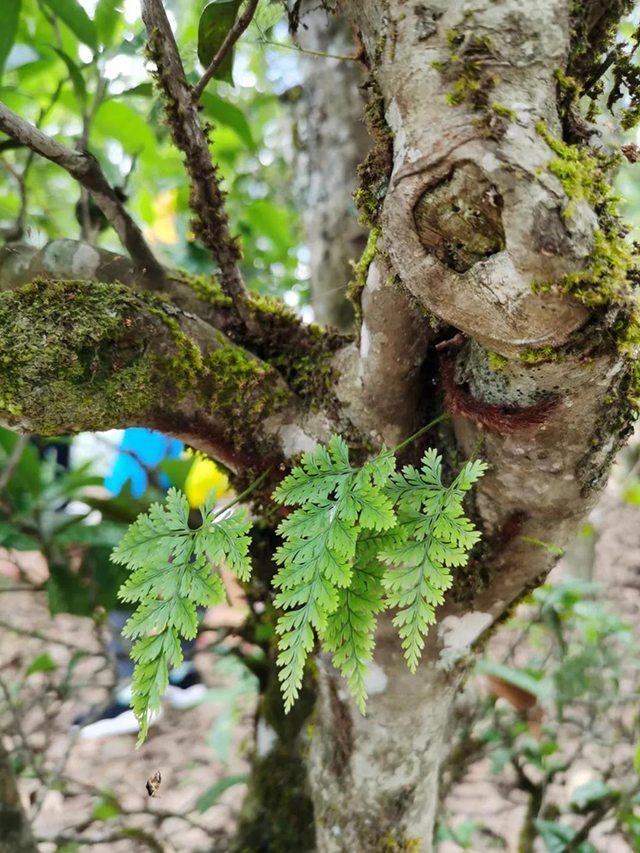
[185, 692]
[116, 719]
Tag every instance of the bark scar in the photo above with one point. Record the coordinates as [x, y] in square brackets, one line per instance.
[493, 417]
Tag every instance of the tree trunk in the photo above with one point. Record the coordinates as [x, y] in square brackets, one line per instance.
[495, 283]
[330, 140]
[375, 778]
[15, 830]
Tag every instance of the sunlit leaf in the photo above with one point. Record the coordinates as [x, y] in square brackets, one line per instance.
[228, 114]
[106, 19]
[75, 17]
[217, 18]
[10, 13]
[19, 55]
[119, 121]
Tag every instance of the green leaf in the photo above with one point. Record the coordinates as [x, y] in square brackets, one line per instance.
[228, 114]
[177, 470]
[267, 16]
[270, 221]
[171, 575]
[556, 837]
[106, 808]
[75, 17]
[66, 591]
[119, 121]
[211, 796]
[12, 537]
[20, 55]
[433, 536]
[10, 15]
[316, 558]
[42, 663]
[107, 17]
[540, 688]
[636, 759]
[591, 792]
[79, 86]
[216, 20]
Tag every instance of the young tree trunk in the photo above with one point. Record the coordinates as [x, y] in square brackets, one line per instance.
[15, 830]
[375, 778]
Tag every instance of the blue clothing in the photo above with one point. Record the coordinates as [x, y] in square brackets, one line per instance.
[148, 447]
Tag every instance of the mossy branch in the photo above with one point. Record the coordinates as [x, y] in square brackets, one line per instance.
[80, 356]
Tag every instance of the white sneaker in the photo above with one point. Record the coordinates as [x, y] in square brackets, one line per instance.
[117, 719]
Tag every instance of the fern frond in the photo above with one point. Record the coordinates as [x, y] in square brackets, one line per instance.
[172, 576]
[436, 536]
[335, 501]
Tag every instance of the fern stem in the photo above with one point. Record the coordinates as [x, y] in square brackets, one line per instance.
[445, 416]
[244, 494]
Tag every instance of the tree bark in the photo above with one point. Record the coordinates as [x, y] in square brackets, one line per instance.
[330, 140]
[15, 829]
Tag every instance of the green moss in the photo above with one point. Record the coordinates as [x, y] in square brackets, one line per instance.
[497, 361]
[390, 844]
[375, 170]
[187, 366]
[361, 269]
[302, 354]
[502, 110]
[472, 82]
[607, 285]
[533, 356]
[73, 356]
[206, 287]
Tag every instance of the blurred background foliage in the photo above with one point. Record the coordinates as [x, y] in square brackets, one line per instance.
[78, 71]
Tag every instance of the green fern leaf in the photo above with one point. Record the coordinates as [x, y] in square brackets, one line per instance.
[435, 536]
[335, 502]
[172, 574]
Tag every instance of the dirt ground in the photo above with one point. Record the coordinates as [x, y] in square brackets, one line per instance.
[189, 747]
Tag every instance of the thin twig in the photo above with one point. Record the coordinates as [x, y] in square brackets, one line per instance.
[84, 167]
[232, 37]
[348, 57]
[17, 720]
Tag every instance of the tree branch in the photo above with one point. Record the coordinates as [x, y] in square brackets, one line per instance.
[211, 224]
[84, 167]
[232, 37]
[73, 260]
[116, 358]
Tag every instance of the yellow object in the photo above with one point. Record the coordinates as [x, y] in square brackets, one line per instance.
[163, 229]
[203, 476]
